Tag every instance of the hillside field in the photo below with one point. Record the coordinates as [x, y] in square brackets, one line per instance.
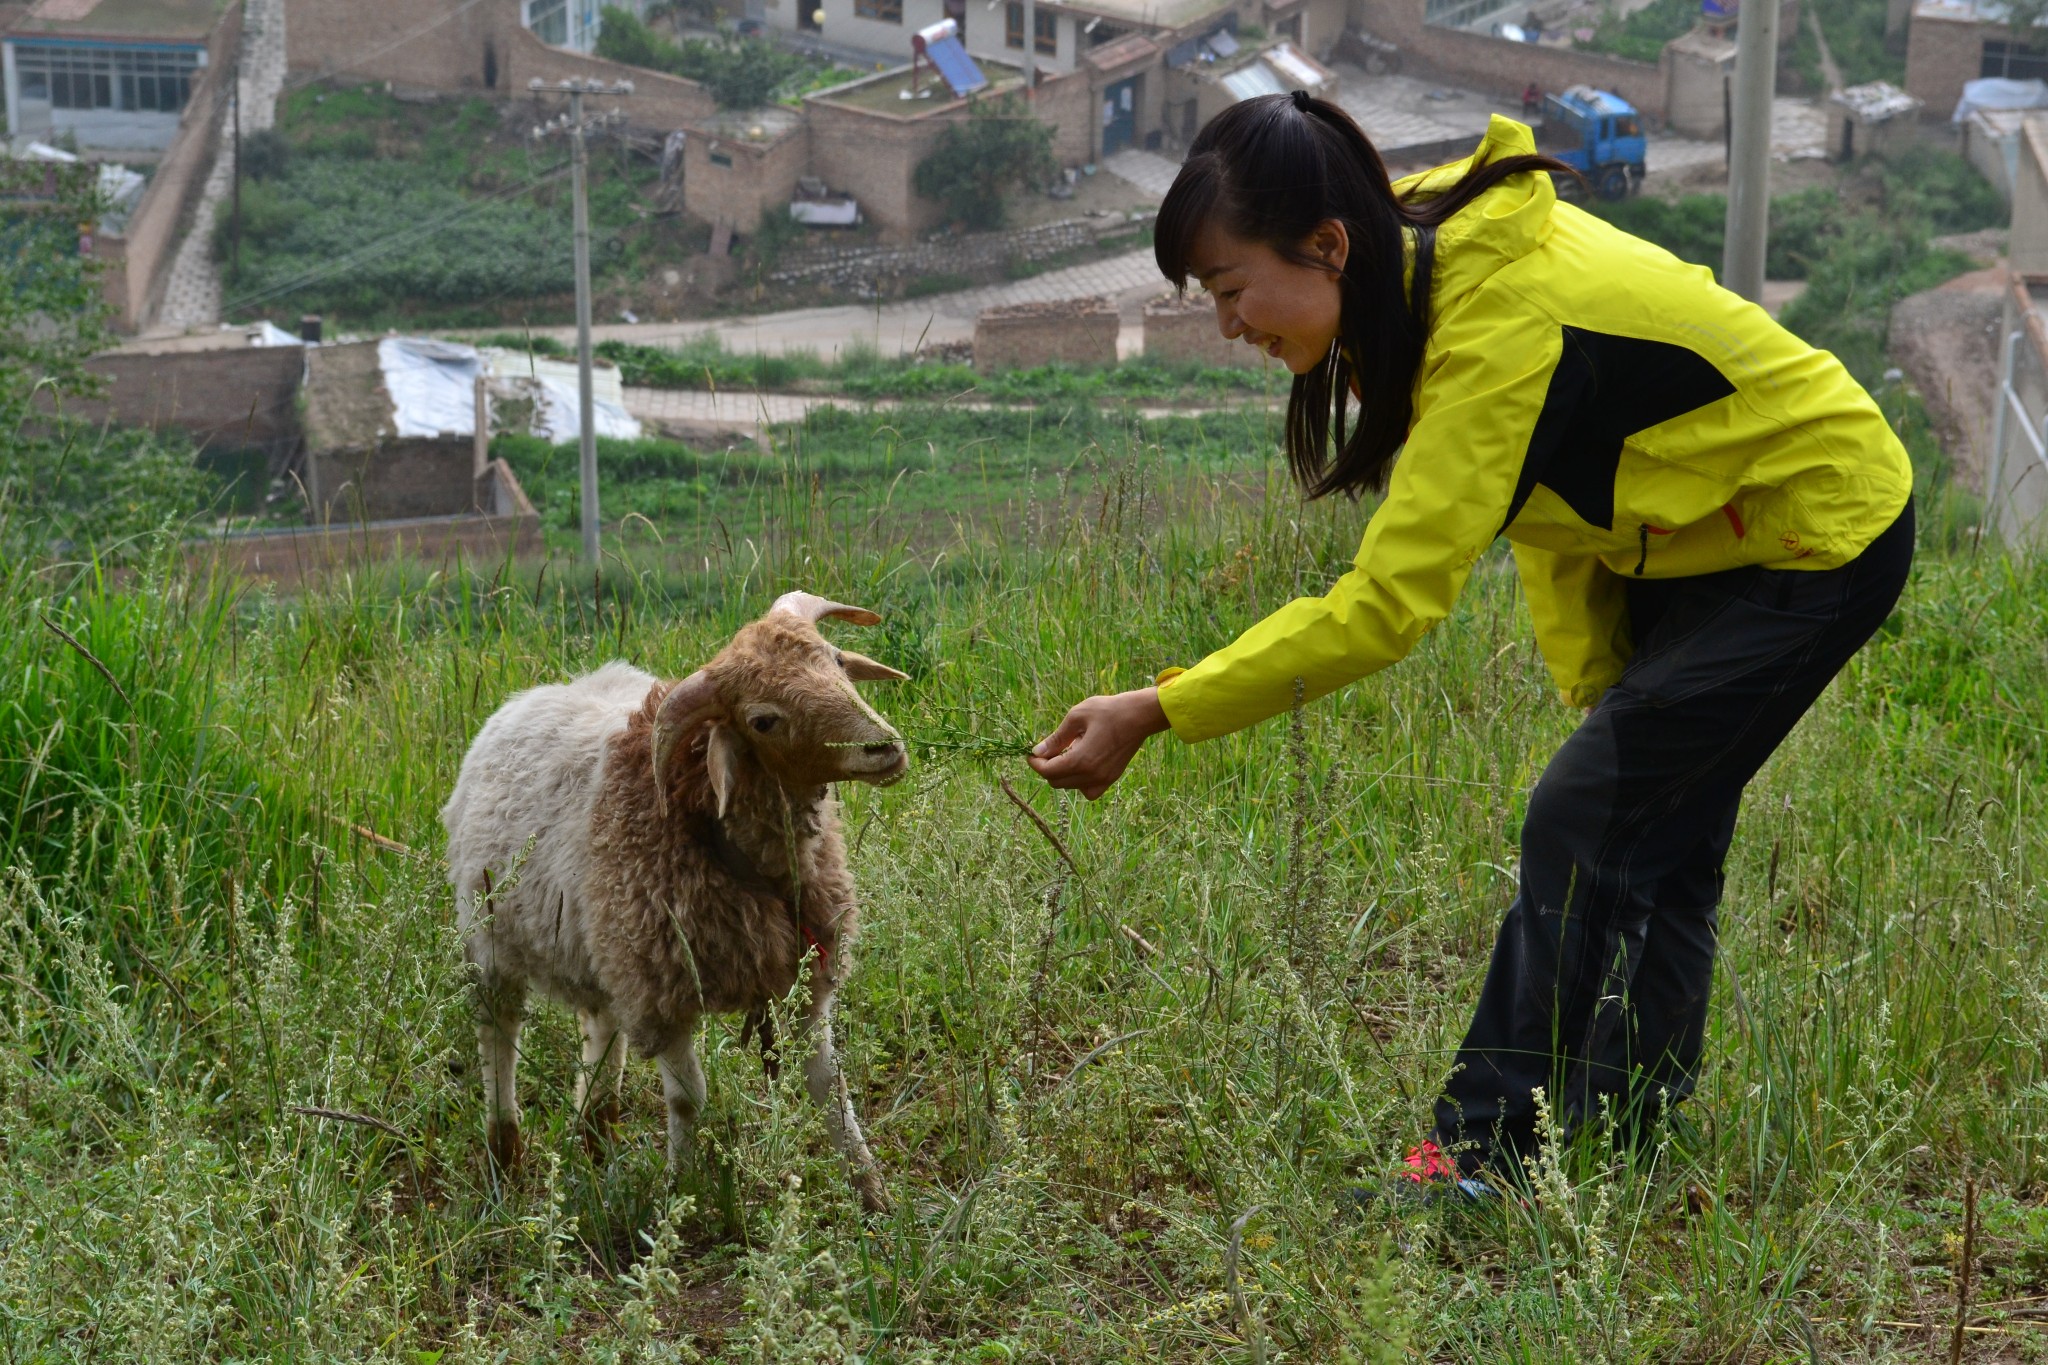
[1121, 1070]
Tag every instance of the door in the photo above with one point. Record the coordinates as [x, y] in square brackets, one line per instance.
[1119, 115]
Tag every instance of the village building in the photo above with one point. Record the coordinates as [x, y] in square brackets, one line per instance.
[112, 75]
[1953, 42]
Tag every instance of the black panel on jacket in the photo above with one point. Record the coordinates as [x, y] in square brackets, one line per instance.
[1604, 390]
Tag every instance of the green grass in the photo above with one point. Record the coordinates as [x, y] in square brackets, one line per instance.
[1086, 1133]
[863, 372]
[1641, 36]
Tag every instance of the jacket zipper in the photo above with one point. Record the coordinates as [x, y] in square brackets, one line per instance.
[1643, 534]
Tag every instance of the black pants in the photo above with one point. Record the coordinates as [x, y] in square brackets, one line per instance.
[1600, 977]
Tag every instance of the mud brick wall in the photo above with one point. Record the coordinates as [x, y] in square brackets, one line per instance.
[1942, 55]
[1184, 331]
[230, 398]
[1016, 336]
[397, 478]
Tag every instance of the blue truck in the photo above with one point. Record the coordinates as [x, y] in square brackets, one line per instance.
[1597, 133]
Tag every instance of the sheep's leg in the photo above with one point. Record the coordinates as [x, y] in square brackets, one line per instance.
[682, 1084]
[500, 1005]
[598, 1078]
[827, 1086]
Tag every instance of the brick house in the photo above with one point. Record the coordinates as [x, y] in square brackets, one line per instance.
[1952, 42]
[112, 75]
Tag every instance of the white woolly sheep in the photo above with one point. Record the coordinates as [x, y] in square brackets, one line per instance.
[650, 852]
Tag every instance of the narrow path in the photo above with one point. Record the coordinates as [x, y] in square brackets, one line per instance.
[900, 328]
[192, 295]
[1829, 72]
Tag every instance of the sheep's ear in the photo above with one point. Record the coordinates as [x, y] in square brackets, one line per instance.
[721, 758]
[861, 668]
[688, 704]
[810, 607]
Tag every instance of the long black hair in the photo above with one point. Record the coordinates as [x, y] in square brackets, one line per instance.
[1275, 167]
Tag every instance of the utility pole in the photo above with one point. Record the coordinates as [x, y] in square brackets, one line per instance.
[1749, 160]
[578, 128]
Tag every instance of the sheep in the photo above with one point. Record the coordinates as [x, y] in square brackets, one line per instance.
[649, 853]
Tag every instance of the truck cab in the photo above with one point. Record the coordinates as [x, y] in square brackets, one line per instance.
[1597, 133]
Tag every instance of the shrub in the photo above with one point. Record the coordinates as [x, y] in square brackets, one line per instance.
[999, 148]
[741, 73]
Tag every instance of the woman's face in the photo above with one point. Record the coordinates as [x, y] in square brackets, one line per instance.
[1286, 309]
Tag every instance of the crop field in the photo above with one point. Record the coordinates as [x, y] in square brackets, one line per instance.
[1123, 1064]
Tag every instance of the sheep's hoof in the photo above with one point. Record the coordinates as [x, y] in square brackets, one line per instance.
[600, 1123]
[506, 1147]
[873, 1198]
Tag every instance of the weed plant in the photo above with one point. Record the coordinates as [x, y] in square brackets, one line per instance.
[1121, 1061]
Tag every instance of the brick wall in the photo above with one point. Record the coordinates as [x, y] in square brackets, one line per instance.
[239, 397]
[138, 259]
[761, 176]
[1070, 105]
[1184, 331]
[411, 477]
[1942, 54]
[454, 45]
[1017, 336]
[872, 155]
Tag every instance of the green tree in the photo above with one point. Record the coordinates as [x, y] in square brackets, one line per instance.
[741, 73]
[998, 148]
[64, 481]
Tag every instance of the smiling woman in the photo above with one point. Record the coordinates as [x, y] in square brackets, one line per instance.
[1709, 517]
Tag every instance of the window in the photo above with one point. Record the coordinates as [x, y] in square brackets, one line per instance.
[2016, 61]
[887, 11]
[146, 80]
[1046, 23]
[721, 159]
[549, 20]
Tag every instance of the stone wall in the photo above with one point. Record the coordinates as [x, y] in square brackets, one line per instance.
[1020, 336]
[138, 258]
[2028, 248]
[1184, 331]
[465, 45]
[406, 477]
[886, 269]
[872, 155]
[1943, 52]
[227, 398]
[509, 529]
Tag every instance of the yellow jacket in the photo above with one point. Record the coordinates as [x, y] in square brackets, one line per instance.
[1613, 410]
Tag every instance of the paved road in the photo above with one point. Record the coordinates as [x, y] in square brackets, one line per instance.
[192, 294]
[746, 413]
[899, 328]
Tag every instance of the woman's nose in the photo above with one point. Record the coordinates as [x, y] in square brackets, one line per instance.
[1228, 322]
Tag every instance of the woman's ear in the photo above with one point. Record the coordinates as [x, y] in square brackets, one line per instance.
[1330, 244]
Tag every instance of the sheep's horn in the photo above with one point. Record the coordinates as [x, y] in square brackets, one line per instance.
[813, 608]
[688, 704]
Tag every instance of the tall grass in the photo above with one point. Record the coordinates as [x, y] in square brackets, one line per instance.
[1121, 1078]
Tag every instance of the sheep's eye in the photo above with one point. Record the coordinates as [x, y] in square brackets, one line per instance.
[763, 723]
[839, 659]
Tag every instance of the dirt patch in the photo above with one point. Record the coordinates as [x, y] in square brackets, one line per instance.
[1946, 340]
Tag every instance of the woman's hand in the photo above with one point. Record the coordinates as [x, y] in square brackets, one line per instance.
[1098, 740]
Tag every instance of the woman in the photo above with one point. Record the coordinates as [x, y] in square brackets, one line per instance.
[1708, 517]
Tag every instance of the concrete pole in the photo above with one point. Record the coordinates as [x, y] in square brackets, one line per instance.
[586, 418]
[1749, 161]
